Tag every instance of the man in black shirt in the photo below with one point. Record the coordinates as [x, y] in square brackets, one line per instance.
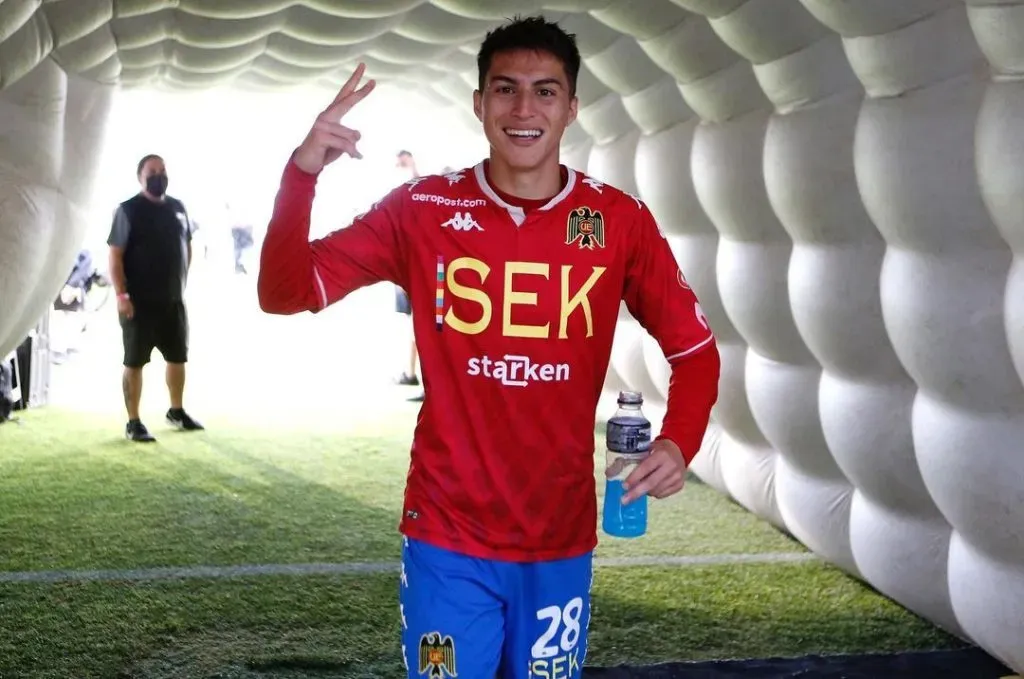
[150, 253]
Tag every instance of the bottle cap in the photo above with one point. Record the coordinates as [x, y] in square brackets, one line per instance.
[630, 398]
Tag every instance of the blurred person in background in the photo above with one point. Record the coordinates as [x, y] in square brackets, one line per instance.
[241, 237]
[150, 253]
[74, 305]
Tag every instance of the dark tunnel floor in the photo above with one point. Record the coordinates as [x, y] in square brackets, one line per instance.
[958, 664]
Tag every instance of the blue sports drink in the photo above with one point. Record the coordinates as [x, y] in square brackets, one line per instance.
[627, 442]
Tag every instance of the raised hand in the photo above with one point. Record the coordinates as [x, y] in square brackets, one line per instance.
[328, 139]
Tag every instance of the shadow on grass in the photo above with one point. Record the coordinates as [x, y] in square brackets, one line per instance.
[627, 642]
[169, 507]
[347, 626]
[195, 500]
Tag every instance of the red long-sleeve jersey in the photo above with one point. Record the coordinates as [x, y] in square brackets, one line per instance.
[514, 313]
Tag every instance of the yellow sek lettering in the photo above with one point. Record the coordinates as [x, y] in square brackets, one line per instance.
[516, 291]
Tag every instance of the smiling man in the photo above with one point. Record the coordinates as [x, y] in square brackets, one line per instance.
[515, 269]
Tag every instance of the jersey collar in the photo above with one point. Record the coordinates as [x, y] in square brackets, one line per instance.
[517, 213]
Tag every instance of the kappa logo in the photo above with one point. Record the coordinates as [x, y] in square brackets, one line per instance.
[586, 226]
[594, 184]
[437, 655]
[454, 178]
[463, 223]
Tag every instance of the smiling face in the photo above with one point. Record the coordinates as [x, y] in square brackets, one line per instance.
[525, 107]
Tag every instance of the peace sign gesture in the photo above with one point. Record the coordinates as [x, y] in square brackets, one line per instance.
[328, 139]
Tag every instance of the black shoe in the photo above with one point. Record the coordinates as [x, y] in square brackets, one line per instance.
[416, 399]
[407, 380]
[177, 417]
[136, 431]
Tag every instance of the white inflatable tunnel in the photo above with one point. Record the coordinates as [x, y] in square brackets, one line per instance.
[842, 181]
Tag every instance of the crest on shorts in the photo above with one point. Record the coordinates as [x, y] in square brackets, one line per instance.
[586, 226]
[437, 655]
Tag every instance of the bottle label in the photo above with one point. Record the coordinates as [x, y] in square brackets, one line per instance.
[628, 438]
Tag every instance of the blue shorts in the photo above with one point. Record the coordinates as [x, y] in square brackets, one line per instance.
[469, 617]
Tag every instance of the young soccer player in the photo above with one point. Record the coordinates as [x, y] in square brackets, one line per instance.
[515, 270]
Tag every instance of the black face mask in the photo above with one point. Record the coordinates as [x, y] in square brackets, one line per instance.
[156, 184]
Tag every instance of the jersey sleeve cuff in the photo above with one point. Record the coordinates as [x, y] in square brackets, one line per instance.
[688, 455]
[296, 176]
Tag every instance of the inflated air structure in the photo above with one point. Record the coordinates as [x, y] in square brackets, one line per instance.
[842, 182]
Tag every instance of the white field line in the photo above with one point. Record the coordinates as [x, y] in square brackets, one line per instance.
[185, 572]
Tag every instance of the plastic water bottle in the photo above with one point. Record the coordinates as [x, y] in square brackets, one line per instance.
[627, 442]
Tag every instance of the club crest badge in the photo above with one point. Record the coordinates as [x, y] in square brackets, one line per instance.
[437, 655]
[586, 226]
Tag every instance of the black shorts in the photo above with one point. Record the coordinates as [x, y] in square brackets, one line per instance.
[162, 326]
[402, 305]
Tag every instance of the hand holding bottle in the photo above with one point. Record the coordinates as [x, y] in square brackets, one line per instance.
[660, 474]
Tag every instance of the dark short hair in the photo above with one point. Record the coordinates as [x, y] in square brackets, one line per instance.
[145, 159]
[531, 33]
[403, 152]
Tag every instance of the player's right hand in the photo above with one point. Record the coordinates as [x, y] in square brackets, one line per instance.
[328, 139]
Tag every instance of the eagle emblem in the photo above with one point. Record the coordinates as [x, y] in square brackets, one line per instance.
[437, 654]
[586, 226]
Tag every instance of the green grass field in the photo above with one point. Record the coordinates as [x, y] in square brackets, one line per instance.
[74, 495]
[304, 462]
